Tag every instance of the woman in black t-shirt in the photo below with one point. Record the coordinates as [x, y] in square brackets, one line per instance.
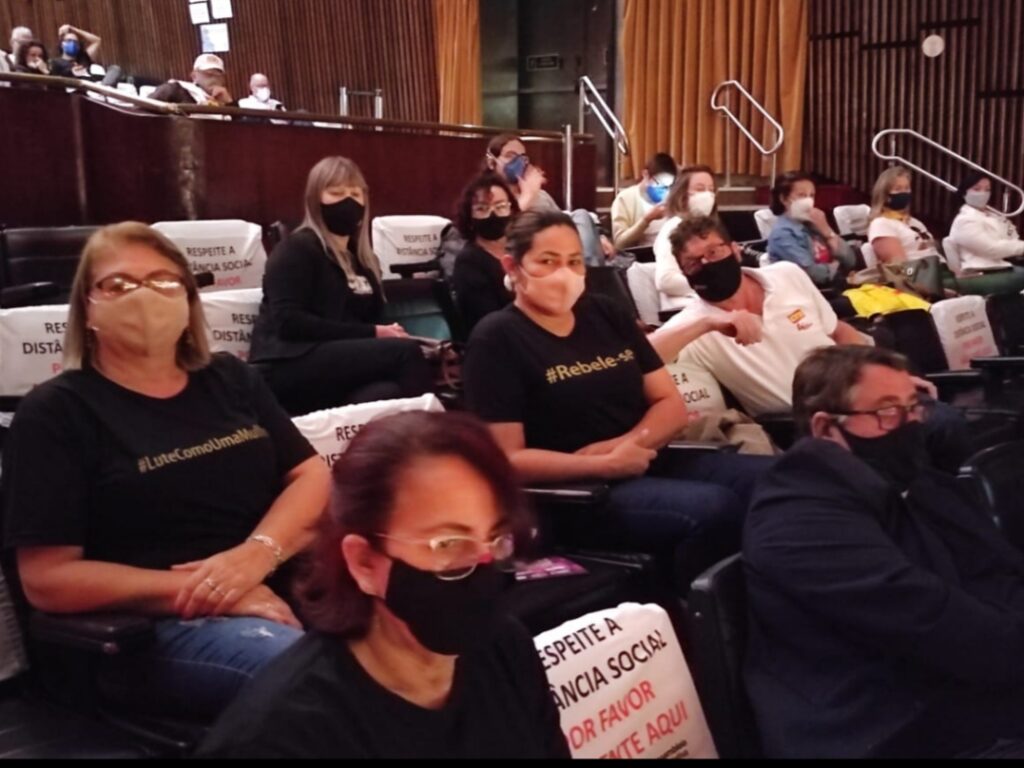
[407, 657]
[77, 51]
[317, 336]
[152, 478]
[485, 209]
[573, 390]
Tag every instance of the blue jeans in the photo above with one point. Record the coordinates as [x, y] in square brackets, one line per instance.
[689, 508]
[195, 667]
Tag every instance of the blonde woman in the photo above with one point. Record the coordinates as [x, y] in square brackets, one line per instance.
[150, 477]
[894, 234]
[692, 195]
[318, 336]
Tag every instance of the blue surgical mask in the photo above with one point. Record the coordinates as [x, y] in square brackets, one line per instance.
[70, 47]
[656, 193]
[514, 170]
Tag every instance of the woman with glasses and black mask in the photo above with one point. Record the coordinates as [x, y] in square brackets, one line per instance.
[485, 209]
[574, 391]
[319, 337]
[153, 478]
[408, 656]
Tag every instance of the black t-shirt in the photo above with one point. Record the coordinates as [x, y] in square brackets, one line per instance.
[61, 67]
[316, 701]
[566, 392]
[479, 283]
[145, 481]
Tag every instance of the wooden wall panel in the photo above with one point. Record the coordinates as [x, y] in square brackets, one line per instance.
[867, 73]
[307, 47]
[85, 162]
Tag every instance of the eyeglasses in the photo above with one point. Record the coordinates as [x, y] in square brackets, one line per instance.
[691, 265]
[163, 281]
[456, 557]
[483, 210]
[895, 416]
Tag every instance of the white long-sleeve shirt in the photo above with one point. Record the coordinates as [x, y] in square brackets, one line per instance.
[985, 239]
[668, 277]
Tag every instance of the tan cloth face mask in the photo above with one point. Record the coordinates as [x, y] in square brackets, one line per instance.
[144, 322]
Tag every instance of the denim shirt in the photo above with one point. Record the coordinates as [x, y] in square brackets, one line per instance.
[793, 240]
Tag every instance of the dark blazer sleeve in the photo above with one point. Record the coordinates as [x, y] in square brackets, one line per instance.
[812, 536]
[288, 284]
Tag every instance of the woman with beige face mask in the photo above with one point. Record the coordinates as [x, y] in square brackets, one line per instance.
[151, 477]
[573, 390]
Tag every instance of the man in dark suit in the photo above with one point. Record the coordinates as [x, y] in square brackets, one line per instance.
[886, 610]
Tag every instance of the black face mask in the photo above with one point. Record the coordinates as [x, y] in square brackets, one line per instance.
[491, 228]
[343, 218]
[899, 202]
[718, 280]
[898, 456]
[447, 617]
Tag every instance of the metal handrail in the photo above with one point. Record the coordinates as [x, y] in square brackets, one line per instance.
[724, 109]
[160, 107]
[591, 97]
[892, 133]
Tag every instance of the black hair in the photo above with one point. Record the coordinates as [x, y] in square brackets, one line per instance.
[528, 224]
[784, 187]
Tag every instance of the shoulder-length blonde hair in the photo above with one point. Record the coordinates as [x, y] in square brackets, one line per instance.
[678, 201]
[329, 172]
[80, 341]
[880, 192]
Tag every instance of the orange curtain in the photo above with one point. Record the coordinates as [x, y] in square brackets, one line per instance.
[457, 36]
[676, 51]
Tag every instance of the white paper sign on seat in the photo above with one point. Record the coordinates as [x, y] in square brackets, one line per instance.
[330, 431]
[231, 249]
[964, 330]
[31, 347]
[700, 390]
[406, 240]
[231, 316]
[622, 686]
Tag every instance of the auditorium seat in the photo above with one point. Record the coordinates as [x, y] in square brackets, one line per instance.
[43, 257]
[401, 240]
[951, 251]
[995, 479]
[765, 222]
[717, 638]
[230, 249]
[852, 219]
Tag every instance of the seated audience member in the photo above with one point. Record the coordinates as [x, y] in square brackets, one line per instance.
[693, 195]
[150, 477]
[639, 212]
[318, 334]
[32, 59]
[986, 240]
[19, 36]
[802, 234]
[407, 657]
[886, 610]
[506, 156]
[749, 328]
[485, 209]
[208, 86]
[894, 234]
[573, 390]
[260, 95]
[77, 51]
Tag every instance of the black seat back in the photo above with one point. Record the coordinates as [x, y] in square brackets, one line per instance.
[42, 255]
[717, 635]
[996, 478]
[609, 281]
[912, 332]
[1006, 316]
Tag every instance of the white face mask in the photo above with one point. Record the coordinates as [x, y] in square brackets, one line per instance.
[143, 323]
[262, 94]
[800, 209]
[702, 203]
[977, 198]
[555, 294]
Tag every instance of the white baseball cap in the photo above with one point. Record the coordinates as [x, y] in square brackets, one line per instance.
[208, 61]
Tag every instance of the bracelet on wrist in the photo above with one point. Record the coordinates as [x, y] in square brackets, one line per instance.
[271, 544]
